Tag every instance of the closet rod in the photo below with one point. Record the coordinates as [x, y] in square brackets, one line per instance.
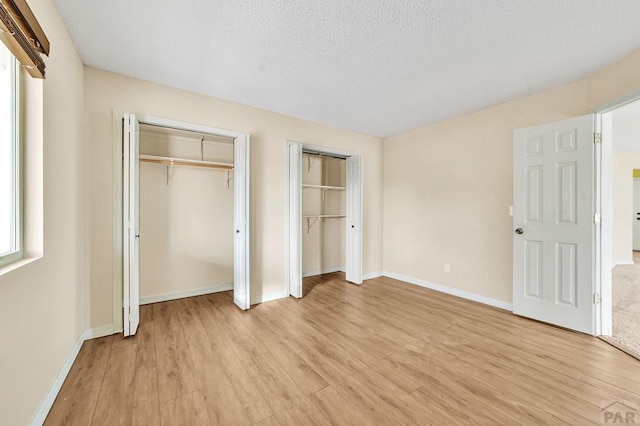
[320, 155]
[168, 161]
[180, 129]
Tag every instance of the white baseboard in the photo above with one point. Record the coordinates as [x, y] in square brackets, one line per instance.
[269, 297]
[625, 262]
[164, 297]
[450, 290]
[372, 275]
[368, 276]
[94, 333]
[324, 271]
[53, 391]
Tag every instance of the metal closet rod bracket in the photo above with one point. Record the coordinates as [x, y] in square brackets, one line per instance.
[170, 175]
[229, 172]
[311, 160]
[310, 224]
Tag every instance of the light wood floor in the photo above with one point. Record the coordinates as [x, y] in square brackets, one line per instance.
[385, 353]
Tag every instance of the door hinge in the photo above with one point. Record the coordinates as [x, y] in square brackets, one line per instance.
[596, 298]
[597, 137]
[596, 218]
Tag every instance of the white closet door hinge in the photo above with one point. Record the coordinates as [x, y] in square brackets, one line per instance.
[596, 298]
[597, 138]
[597, 218]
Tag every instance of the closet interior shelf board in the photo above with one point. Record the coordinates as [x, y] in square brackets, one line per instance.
[325, 187]
[168, 161]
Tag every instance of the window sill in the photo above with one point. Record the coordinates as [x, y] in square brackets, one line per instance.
[18, 264]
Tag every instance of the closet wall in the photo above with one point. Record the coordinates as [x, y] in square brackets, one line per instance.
[323, 239]
[186, 225]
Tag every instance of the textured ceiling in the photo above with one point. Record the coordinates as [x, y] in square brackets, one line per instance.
[374, 66]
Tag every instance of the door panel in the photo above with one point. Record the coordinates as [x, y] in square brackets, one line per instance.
[354, 219]
[533, 268]
[131, 225]
[567, 271]
[534, 194]
[636, 214]
[554, 222]
[295, 220]
[241, 208]
[567, 193]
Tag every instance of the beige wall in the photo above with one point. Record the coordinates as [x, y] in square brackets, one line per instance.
[448, 187]
[105, 91]
[43, 305]
[323, 246]
[186, 228]
[623, 165]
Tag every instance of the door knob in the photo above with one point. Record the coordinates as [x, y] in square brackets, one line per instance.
[519, 231]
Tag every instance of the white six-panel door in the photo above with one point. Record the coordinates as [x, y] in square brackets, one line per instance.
[131, 225]
[553, 223]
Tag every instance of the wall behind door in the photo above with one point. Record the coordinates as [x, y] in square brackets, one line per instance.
[448, 186]
[323, 247]
[186, 228]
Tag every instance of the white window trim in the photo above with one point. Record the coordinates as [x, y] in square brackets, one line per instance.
[17, 255]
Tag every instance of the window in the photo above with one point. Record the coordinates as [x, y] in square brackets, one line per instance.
[10, 161]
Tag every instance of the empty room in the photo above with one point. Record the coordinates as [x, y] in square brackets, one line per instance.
[318, 212]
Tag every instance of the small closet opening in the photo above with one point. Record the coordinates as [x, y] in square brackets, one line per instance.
[186, 213]
[323, 214]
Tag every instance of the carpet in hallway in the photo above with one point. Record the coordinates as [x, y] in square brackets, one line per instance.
[626, 305]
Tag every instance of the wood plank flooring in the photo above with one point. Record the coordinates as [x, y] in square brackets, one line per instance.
[385, 353]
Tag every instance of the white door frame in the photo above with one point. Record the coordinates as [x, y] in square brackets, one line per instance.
[245, 225]
[293, 271]
[604, 200]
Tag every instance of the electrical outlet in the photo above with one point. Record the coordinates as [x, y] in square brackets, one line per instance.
[447, 267]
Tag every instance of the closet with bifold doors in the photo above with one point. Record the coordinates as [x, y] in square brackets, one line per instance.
[323, 214]
[186, 213]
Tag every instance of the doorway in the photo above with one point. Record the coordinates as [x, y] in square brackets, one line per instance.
[299, 221]
[621, 279]
[127, 187]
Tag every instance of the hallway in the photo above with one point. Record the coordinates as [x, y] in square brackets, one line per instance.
[626, 305]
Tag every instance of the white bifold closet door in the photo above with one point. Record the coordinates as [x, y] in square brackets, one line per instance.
[295, 220]
[354, 220]
[131, 224]
[131, 216]
[241, 209]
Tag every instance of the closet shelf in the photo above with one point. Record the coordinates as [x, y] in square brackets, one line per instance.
[325, 187]
[169, 161]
